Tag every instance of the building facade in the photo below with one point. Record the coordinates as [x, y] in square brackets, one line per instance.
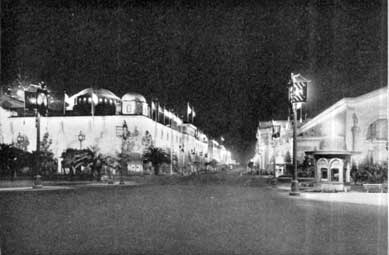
[183, 141]
[273, 149]
[356, 127]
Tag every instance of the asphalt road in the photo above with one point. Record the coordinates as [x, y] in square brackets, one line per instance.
[192, 218]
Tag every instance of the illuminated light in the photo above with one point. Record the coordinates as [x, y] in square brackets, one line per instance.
[20, 93]
[95, 98]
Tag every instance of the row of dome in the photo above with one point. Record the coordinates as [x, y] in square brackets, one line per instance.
[107, 103]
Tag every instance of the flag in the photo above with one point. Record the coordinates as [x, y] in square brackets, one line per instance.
[166, 115]
[298, 90]
[152, 110]
[152, 106]
[188, 112]
[68, 103]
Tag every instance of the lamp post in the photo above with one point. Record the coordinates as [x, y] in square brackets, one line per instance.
[81, 138]
[125, 136]
[294, 186]
[297, 94]
[41, 107]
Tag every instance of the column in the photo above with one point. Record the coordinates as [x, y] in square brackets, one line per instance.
[348, 172]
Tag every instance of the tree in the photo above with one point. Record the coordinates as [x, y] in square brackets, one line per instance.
[157, 157]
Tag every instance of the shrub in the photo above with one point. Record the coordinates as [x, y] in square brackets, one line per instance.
[14, 161]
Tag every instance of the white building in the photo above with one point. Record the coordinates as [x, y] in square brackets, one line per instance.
[354, 128]
[185, 142]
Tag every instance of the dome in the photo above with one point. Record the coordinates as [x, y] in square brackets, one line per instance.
[134, 97]
[99, 92]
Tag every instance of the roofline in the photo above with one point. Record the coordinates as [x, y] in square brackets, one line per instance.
[333, 109]
[338, 107]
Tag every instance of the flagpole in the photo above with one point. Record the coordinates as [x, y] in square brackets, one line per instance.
[193, 113]
[91, 103]
[64, 102]
[171, 146]
[187, 112]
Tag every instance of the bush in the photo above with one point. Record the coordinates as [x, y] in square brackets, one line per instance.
[14, 161]
[369, 173]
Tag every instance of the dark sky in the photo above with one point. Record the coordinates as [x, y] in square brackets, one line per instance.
[230, 59]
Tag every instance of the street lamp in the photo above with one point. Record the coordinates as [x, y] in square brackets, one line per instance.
[81, 138]
[41, 108]
[297, 94]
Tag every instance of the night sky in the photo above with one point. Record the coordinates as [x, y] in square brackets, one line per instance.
[230, 59]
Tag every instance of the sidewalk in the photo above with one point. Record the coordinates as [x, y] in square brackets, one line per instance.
[355, 197]
[378, 199]
[30, 188]
[27, 185]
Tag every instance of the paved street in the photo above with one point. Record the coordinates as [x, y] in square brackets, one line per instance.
[207, 215]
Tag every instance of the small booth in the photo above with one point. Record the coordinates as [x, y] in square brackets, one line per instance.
[332, 165]
[332, 169]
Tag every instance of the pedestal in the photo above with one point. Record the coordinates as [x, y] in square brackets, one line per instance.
[294, 189]
[37, 182]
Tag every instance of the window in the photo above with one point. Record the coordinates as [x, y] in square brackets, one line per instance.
[335, 174]
[378, 130]
[324, 173]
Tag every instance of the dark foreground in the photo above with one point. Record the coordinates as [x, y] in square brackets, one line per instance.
[211, 216]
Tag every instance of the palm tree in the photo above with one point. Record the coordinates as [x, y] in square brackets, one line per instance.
[157, 157]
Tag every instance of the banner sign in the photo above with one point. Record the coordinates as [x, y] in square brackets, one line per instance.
[298, 90]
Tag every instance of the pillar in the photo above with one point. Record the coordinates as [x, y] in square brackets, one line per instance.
[341, 174]
[348, 172]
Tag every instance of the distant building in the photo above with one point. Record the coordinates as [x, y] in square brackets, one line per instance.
[274, 146]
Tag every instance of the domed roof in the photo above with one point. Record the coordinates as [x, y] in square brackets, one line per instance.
[99, 92]
[134, 97]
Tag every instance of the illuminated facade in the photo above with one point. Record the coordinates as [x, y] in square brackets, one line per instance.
[273, 150]
[352, 131]
[187, 144]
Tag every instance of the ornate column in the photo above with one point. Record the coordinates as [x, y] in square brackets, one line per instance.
[355, 132]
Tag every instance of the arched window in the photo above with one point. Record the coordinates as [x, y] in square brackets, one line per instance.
[378, 130]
